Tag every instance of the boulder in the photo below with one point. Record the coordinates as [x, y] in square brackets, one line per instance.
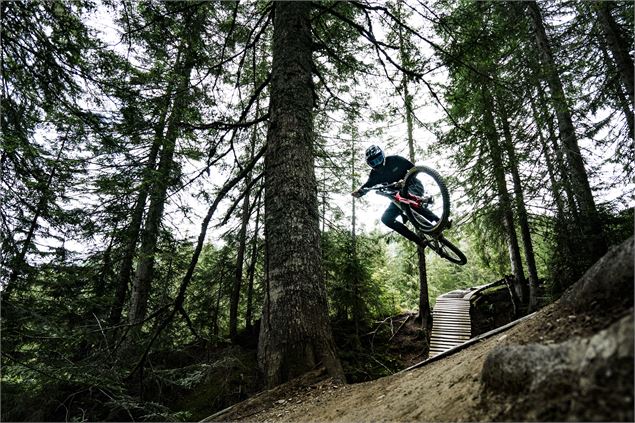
[580, 379]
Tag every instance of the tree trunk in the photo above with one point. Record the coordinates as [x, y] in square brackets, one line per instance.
[555, 191]
[425, 314]
[523, 220]
[520, 286]
[591, 224]
[295, 331]
[215, 318]
[252, 269]
[357, 306]
[240, 257]
[624, 103]
[158, 193]
[618, 46]
[134, 228]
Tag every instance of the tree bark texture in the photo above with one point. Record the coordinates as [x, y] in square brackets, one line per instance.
[592, 227]
[240, 257]
[295, 331]
[251, 271]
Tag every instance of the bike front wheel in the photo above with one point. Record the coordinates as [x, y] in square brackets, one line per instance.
[425, 184]
[447, 250]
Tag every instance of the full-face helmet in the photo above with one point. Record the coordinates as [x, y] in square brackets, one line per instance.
[374, 156]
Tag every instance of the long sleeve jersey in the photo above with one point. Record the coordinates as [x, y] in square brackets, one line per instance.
[394, 169]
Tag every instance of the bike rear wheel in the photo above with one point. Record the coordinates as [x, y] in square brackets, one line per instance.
[426, 184]
[447, 250]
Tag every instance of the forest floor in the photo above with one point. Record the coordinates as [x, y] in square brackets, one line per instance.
[448, 389]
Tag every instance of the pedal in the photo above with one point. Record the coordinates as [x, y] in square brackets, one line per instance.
[449, 224]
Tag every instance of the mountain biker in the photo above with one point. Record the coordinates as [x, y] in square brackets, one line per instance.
[386, 170]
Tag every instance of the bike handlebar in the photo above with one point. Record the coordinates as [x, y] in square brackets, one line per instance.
[396, 185]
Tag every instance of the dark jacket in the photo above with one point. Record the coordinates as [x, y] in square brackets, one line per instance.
[394, 169]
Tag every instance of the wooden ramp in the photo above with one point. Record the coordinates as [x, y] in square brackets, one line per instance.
[451, 323]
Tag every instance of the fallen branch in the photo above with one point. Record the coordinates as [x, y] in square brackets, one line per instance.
[400, 326]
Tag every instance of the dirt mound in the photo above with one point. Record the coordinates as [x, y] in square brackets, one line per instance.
[588, 334]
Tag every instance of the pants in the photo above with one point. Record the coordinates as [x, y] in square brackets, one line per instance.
[389, 218]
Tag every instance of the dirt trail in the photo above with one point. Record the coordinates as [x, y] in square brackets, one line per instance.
[444, 390]
[451, 388]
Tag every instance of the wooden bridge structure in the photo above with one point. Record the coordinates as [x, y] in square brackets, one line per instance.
[451, 321]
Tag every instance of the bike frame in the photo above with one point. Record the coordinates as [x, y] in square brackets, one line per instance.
[399, 199]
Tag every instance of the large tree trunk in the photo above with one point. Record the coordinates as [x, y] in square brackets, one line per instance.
[295, 331]
[592, 226]
[520, 286]
[618, 46]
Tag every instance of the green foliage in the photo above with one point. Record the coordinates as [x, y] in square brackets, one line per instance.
[355, 290]
[84, 126]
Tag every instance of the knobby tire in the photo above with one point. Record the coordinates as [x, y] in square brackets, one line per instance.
[452, 253]
[412, 214]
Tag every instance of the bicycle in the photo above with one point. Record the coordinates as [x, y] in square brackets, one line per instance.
[424, 199]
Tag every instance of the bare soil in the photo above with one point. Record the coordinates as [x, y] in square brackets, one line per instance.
[597, 386]
[445, 390]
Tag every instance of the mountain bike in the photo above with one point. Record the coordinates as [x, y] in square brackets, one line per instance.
[424, 200]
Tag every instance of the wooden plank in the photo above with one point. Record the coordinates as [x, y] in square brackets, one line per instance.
[453, 323]
[452, 326]
[445, 343]
[456, 333]
[448, 336]
[444, 326]
[457, 310]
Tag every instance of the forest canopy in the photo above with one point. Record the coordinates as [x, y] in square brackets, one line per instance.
[175, 177]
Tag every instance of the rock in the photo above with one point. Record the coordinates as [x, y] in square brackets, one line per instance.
[606, 282]
[579, 379]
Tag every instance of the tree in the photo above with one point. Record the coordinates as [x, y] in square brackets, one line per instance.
[185, 61]
[295, 332]
[521, 210]
[618, 46]
[42, 121]
[503, 195]
[592, 226]
[406, 59]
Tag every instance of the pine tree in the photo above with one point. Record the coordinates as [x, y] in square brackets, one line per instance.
[295, 332]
